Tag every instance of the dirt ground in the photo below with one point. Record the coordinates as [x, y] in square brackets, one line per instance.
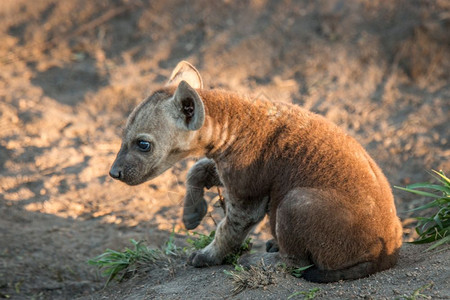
[71, 71]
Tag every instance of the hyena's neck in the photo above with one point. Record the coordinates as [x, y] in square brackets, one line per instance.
[221, 128]
[233, 125]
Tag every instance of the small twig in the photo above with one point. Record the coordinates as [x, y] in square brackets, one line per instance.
[212, 218]
[221, 200]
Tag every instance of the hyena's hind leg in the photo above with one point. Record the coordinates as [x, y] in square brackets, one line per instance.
[340, 241]
[202, 175]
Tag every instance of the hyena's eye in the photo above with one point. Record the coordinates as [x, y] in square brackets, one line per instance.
[143, 146]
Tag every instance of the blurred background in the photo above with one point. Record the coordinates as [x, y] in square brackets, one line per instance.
[71, 72]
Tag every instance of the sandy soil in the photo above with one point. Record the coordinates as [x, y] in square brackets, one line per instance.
[71, 71]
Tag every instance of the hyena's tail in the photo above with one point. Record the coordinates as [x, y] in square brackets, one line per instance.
[360, 270]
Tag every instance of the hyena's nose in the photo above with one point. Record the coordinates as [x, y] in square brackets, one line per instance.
[115, 173]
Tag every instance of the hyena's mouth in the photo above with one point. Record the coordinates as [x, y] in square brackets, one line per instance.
[132, 178]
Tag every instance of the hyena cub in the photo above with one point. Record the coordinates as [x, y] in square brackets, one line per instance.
[328, 202]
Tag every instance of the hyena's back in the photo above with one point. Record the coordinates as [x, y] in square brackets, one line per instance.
[330, 204]
[336, 208]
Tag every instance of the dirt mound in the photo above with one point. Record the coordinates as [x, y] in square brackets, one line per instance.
[71, 71]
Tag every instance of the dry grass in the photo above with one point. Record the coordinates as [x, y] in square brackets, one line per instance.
[256, 277]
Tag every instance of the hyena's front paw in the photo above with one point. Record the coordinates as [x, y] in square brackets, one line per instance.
[200, 259]
[193, 215]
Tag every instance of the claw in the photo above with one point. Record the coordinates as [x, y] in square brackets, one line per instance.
[199, 259]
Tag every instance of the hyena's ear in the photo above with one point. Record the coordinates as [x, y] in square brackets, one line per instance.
[189, 108]
[187, 72]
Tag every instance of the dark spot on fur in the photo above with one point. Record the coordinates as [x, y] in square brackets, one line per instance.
[272, 139]
[209, 147]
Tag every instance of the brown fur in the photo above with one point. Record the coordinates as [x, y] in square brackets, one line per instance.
[328, 202]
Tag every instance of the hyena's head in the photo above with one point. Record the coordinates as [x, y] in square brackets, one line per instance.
[161, 130]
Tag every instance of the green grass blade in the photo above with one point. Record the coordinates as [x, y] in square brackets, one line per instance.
[440, 242]
[437, 220]
[421, 193]
[295, 294]
[444, 189]
[298, 272]
[444, 178]
[431, 204]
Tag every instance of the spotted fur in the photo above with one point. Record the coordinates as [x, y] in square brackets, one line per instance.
[328, 202]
